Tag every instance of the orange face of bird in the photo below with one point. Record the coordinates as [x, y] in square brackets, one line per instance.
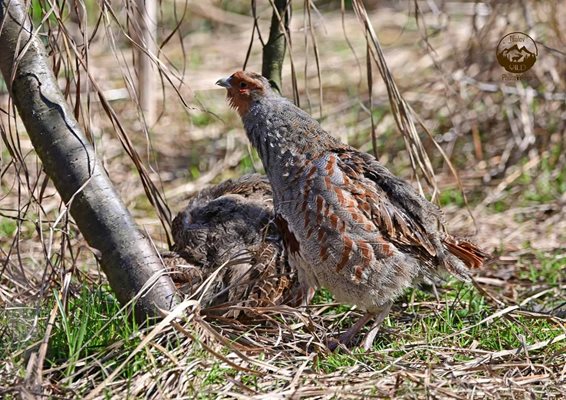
[243, 87]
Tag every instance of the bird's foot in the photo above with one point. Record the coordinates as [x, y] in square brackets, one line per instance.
[346, 338]
[370, 337]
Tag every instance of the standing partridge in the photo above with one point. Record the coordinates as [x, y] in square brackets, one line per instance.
[347, 223]
[230, 226]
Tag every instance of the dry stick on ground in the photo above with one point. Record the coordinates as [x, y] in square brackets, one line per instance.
[127, 257]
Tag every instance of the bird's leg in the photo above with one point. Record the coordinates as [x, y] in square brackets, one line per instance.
[306, 291]
[347, 336]
[308, 294]
[380, 316]
[300, 296]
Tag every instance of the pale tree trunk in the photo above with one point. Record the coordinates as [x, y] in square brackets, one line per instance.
[126, 255]
[144, 33]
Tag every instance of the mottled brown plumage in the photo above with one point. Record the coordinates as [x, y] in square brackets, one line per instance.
[348, 224]
[231, 226]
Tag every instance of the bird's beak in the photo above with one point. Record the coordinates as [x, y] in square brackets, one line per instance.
[224, 82]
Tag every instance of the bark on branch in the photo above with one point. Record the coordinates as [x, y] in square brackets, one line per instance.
[274, 49]
[126, 255]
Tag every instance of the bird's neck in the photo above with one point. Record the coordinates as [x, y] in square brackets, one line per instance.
[282, 133]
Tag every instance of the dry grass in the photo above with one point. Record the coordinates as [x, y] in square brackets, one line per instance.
[62, 333]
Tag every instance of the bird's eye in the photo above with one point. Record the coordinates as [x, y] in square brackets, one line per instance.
[243, 85]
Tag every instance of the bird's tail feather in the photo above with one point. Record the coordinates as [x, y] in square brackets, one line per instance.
[464, 255]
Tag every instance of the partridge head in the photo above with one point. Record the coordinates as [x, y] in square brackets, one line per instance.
[347, 223]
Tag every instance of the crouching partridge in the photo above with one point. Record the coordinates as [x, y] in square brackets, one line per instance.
[347, 223]
[230, 226]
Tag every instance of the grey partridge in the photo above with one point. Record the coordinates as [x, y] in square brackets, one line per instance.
[231, 226]
[347, 223]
